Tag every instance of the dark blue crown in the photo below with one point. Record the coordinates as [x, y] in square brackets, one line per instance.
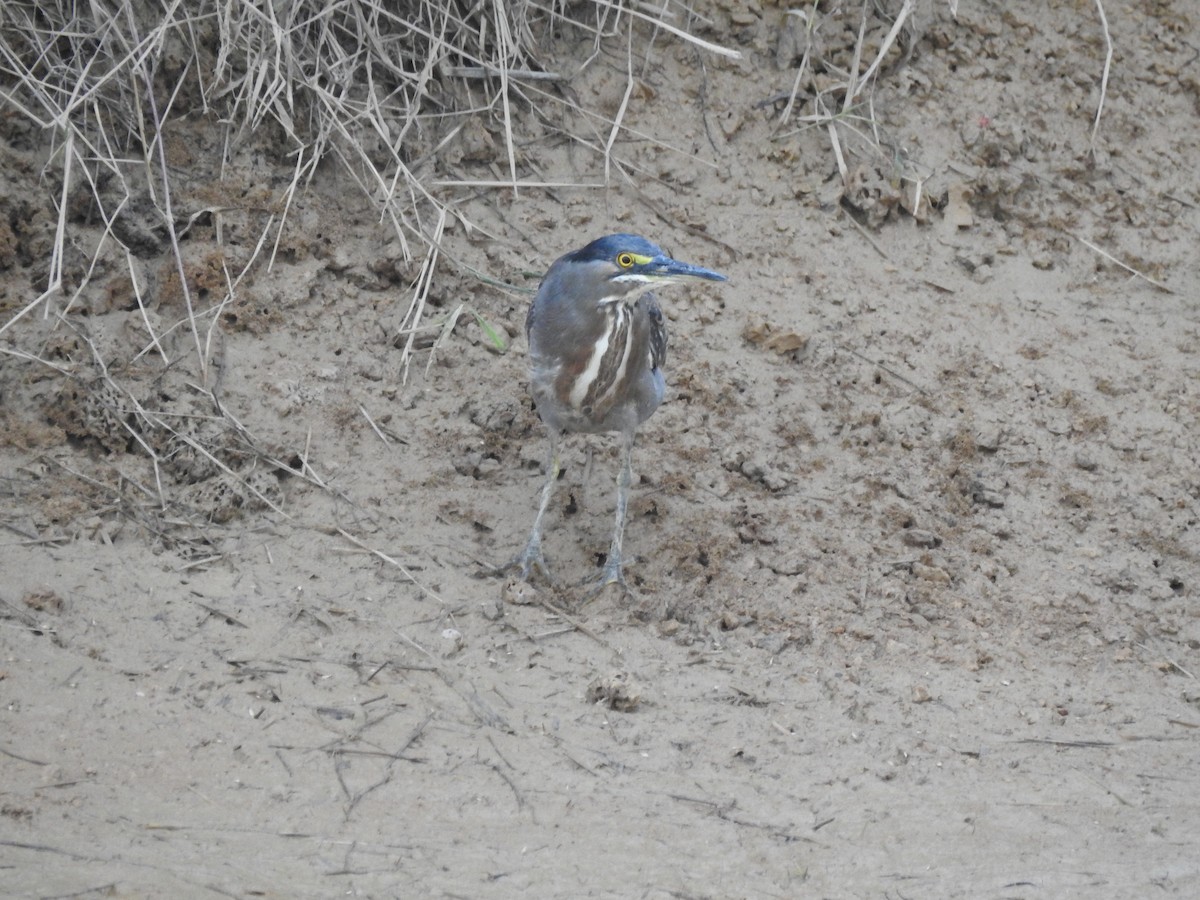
[607, 247]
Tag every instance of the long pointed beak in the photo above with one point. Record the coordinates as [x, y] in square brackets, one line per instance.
[664, 269]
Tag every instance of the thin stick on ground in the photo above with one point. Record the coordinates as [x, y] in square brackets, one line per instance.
[417, 306]
[660, 22]
[141, 304]
[578, 626]
[507, 52]
[1108, 55]
[836, 144]
[809, 20]
[169, 217]
[853, 84]
[391, 562]
[56, 258]
[619, 117]
[1128, 268]
[904, 13]
[366, 415]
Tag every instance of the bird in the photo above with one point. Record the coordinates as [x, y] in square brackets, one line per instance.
[597, 346]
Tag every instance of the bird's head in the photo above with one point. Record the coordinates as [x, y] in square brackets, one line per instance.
[622, 267]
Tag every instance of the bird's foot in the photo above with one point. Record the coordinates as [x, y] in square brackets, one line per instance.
[525, 563]
[612, 573]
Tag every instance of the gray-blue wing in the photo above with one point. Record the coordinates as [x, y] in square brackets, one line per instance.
[658, 333]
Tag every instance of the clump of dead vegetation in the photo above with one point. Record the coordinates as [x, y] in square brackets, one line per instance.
[152, 118]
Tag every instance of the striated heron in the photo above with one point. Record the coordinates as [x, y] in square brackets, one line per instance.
[597, 343]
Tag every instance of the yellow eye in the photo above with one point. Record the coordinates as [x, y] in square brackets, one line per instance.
[625, 260]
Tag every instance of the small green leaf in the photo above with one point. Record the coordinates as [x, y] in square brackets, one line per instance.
[492, 334]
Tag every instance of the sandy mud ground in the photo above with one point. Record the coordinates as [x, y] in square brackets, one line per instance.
[917, 525]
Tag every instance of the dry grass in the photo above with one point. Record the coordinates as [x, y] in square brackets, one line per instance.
[380, 87]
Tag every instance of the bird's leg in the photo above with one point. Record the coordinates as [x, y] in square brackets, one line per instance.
[531, 557]
[613, 572]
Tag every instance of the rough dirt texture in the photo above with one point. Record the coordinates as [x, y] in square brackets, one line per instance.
[917, 597]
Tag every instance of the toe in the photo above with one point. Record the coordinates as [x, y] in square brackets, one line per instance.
[524, 564]
[612, 573]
